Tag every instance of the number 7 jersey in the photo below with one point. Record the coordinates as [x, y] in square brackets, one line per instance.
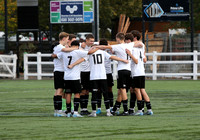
[68, 59]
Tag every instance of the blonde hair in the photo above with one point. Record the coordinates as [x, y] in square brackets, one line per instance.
[62, 35]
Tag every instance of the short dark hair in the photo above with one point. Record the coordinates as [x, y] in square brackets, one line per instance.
[62, 35]
[129, 36]
[120, 35]
[103, 42]
[89, 36]
[75, 43]
[71, 36]
[136, 34]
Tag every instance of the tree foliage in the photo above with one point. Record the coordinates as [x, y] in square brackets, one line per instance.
[12, 15]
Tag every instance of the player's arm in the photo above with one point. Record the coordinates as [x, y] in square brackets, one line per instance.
[76, 63]
[138, 44]
[54, 56]
[93, 50]
[68, 49]
[102, 47]
[135, 60]
[119, 59]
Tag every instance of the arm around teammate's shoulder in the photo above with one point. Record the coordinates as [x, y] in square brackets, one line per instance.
[135, 60]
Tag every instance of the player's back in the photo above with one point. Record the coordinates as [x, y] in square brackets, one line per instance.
[120, 51]
[97, 65]
[68, 59]
[138, 69]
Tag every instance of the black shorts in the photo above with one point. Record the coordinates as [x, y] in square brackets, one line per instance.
[123, 80]
[85, 80]
[58, 79]
[72, 86]
[99, 84]
[138, 82]
[110, 81]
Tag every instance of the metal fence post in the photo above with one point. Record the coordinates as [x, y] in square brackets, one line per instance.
[195, 65]
[154, 65]
[39, 67]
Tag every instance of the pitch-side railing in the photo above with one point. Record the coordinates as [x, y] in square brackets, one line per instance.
[153, 61]
[8, 66]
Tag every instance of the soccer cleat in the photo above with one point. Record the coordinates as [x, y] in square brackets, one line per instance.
[69, 115]
[130, 111]
[76, 115]
[109, 114]
[98, 111]
[61, 114]
[85, 112]
[55, 113]
[148, 113]
[93, 114]
[138, 113]
[124, 114]
[111, 109]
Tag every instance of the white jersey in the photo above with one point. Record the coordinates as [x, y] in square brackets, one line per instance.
[58, 63]
[108, 63]
[97, 65]
[138, 69]
[120, 51]
[85, 66]
[68, 59]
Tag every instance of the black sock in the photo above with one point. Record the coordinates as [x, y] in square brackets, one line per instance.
[86, 97]
[94, 100]
[132, 100]
[55, 103]
[82, 101]
[59, 102]
[125, 105]
[99, 98]
[148, 105]
[139, 104]
[110, 97]
[76, 104]
[69, 107]
[107, 105]
[143, 103]
[117, 105]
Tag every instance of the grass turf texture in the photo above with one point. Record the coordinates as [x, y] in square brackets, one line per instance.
[26, 112]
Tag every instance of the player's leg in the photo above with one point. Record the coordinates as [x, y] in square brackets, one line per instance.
[68, 102]
[94, 98]
[59, 85]
[99, 98]
[104, 89]
[147, 101]
[117, 105]
[132, 101]
[110, 84]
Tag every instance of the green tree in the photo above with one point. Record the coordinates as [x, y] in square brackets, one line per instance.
[12, 15]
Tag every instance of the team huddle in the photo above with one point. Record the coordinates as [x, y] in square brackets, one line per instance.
[85, 67]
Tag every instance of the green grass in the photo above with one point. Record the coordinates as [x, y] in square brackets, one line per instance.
[26, 112]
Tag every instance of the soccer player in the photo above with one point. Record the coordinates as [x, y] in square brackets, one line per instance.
[110, 81]
[98, 77]
[59, 73]
[85, 77]
[138, 74]
[72, 37]
[124, 71]
[72, 76]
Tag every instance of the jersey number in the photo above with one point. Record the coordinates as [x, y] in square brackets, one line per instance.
[97, 58]
[140, 55]
[70, 59]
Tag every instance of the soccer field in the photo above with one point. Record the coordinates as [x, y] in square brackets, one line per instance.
[26, 112]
